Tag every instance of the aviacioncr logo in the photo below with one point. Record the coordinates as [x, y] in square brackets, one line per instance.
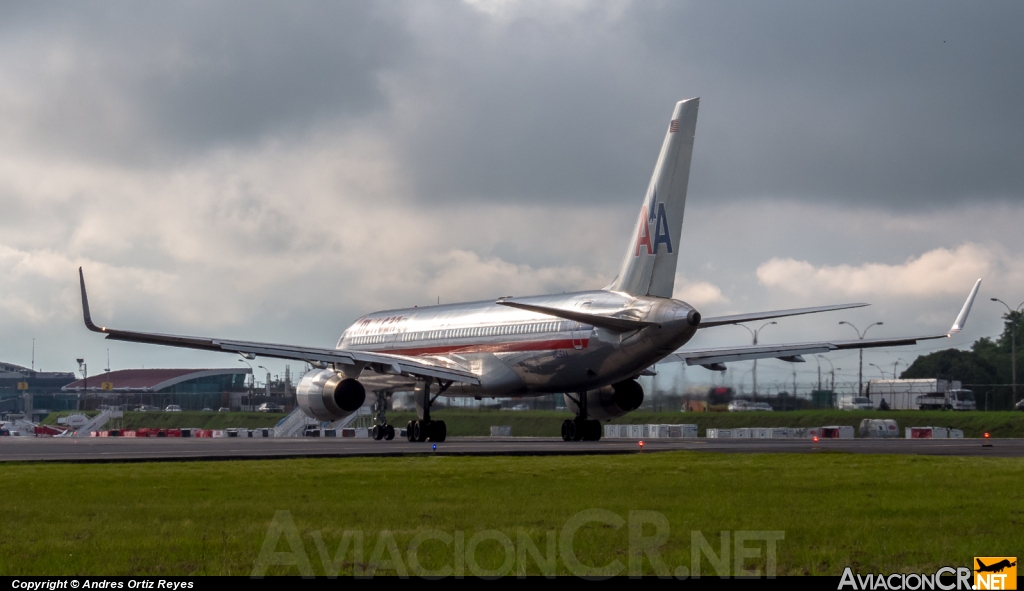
[653, 214]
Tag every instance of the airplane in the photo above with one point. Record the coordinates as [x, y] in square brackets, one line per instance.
[994, 568]
[590, 346]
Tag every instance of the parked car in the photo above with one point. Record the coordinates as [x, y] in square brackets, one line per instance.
[172, 408]
[148, 408]
[223, 409]
[207, 409]
[1019, 405]
[268, 407]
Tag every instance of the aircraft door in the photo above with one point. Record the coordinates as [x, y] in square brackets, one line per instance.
[577, 335]
[577, 328]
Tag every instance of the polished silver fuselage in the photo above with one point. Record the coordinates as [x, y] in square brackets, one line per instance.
[517, 352]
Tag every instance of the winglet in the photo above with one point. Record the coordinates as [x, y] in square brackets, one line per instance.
[85, 305]
[961, 318]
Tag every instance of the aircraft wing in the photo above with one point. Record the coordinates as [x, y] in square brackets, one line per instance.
[381, 363]
[715, 358]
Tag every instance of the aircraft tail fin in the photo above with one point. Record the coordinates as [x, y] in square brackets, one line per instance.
[649, 265]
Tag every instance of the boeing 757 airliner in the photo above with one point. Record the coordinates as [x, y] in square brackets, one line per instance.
[590, 346]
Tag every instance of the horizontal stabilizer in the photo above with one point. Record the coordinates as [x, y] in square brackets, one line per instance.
[612, 323]
[740, 318]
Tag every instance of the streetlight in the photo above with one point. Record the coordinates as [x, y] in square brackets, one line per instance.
[832, 385]
[860, 335]
[754, 334]
[1011, 315]
[252, 376]
[880, 371]
[897, 362]
[268, 379]
[84, 368]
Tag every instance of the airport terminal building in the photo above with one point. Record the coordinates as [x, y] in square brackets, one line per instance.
[21, 388]
[191, 389]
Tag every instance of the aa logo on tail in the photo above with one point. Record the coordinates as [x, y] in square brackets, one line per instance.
[653, 214]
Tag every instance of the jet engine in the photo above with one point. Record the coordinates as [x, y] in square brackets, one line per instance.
[611, 401]
[326, 395]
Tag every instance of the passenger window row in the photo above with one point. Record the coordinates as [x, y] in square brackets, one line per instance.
[480, 331]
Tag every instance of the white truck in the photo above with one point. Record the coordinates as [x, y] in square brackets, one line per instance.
[920, 394]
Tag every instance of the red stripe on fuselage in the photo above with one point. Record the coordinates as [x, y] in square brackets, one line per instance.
[547, 345]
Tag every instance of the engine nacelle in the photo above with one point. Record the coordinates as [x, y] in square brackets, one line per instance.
[611, 401]
[326, 395]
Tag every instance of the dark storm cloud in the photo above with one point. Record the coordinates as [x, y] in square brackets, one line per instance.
[892, 104]
[897, 104]
[128, 80]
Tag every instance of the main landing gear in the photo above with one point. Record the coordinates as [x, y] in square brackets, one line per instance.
[581, 428]
[424, 429]
[381, 428]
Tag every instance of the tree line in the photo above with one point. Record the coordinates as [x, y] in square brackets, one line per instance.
[986, 368]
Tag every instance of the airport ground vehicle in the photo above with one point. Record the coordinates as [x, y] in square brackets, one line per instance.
[268, 407]
[590, 346]
[746, 405]
[920, 394]
[172, 408]
[854, 403]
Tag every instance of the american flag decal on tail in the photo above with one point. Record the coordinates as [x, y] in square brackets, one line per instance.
[674, 126]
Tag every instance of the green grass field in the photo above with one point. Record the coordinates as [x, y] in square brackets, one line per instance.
[873, 512]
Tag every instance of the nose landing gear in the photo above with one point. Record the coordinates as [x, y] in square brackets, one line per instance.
[381, 428]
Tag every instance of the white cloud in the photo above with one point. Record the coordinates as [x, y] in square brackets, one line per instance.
[697, 293]
[940, 271]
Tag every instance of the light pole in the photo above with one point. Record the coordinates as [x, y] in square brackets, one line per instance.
[897, 362]
[832, 385]
[1011, 315]
[268, 379]
[819, 371]
[860, 372]
[754, 334]
[880, 370]
[252, 376]
[84, 368]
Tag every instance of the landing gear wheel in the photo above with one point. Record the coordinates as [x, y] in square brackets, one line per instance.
[565, 430]
[378, 432]
[574, 431]
[593, 430]
[438, 431]
[389, 432]
[409, 432]
[420, 430]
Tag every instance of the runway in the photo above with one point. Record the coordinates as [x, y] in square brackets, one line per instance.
[26, 449]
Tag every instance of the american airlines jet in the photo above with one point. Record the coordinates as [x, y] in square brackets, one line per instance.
[590, 346]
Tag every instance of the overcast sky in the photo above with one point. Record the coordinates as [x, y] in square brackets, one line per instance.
[273, 171]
